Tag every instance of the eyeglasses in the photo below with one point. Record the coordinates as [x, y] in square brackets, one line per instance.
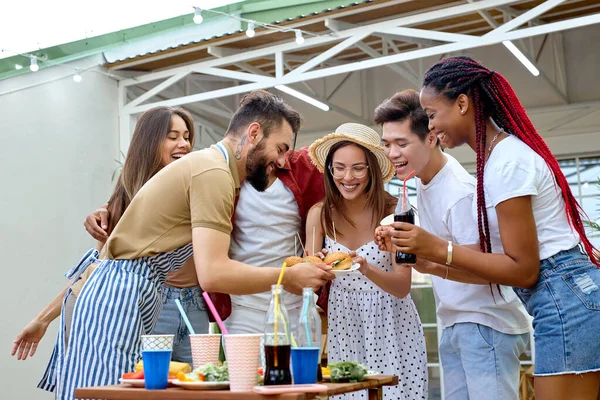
[357, 171]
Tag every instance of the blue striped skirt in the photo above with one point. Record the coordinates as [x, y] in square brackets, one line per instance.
[120, 302]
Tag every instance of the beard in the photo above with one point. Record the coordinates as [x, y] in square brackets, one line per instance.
[256, 168]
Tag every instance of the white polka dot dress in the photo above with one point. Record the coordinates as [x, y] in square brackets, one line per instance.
[379, 330]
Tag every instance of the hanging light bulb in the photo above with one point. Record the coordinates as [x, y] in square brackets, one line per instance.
[250, 31]
[198, 16]
[33, 64]
[77, 78]
[299, 37]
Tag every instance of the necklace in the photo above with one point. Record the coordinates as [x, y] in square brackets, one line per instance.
[493, 140]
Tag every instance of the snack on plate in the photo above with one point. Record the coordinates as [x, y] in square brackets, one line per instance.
[347, 371]
[174, 367]
[338, 260]
[139, 375]
[207, 373]
[313, 259]
[293, 260]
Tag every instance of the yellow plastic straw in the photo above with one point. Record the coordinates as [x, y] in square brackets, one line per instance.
[276, 338]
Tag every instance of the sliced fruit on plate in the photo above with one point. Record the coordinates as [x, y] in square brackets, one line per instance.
[134, 375]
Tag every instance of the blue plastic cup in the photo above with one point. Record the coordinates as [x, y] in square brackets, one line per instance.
[304, 364]
[156, 368]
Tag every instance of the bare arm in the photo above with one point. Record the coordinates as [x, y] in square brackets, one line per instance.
[518, 266]
[218, 273]
[27, 341]
[313, 220]
[383, 234]
[454, 274]
[396, 283]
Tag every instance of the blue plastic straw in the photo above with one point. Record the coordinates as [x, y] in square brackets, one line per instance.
[185, 318]
[305, 315]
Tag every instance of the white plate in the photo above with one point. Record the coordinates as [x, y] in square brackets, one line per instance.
[387, 220]
[369, 373]
[338, 272]
[138, 383]
[202, 385]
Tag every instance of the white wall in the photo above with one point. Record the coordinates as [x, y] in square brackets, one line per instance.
[59, 142]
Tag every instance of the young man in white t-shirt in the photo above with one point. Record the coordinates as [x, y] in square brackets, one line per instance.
[485, 327]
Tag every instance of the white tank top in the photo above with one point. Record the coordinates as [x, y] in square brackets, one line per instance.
[265, 224]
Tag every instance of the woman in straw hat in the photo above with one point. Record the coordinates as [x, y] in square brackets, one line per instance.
[371, 317]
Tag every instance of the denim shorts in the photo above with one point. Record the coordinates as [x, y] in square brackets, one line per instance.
[170, 321]
[565, 306]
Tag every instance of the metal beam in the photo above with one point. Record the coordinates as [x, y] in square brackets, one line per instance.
[339, 26]
[237, 75]
[329, 53]
[221, 52]
[526, 16]
[320, 40]
[156, 90]
[396, 58]
[338, 86]
[492, 22]
[220, 103]
[279, 64]
[559, 62]
[425, 34]
[572, 118]
[394, 67]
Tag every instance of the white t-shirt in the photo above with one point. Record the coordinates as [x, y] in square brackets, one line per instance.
[265, 225]
[515, 170]
[445, 209]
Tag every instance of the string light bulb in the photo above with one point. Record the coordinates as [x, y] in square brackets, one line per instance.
[77, 77]
[198, 16]
[250, 31]
[33, 66]
[299, 37]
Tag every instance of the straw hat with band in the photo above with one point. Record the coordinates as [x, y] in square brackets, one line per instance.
[355, 133]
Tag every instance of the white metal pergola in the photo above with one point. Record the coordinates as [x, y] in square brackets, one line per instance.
[430, 42]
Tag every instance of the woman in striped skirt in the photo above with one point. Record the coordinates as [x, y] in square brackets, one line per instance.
[168, 134]
[119, 303]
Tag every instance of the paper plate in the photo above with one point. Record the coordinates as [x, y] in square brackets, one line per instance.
[133, 382]
[139, 383]
[202, 385]
[338, 272]
[369, 373]
[387, 220]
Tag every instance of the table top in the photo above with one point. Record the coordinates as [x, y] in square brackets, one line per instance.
[126, 392]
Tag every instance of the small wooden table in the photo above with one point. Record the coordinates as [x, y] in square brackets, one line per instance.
[374, 385]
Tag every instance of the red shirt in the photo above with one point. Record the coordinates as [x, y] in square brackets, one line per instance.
[305, 181]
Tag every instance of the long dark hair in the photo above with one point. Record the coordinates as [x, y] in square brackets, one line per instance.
[493, 97]
[378, 199]
[143, 157]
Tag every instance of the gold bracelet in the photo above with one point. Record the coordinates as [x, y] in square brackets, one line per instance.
[449, 255]
[448, 258]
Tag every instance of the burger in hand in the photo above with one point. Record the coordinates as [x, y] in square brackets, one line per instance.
[338, 260]
[293, 260]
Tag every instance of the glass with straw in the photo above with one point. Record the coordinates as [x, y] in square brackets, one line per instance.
[306, 356]
[277, 339]
[405, 213]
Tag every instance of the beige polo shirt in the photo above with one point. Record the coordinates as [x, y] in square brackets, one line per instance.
[198, 190]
